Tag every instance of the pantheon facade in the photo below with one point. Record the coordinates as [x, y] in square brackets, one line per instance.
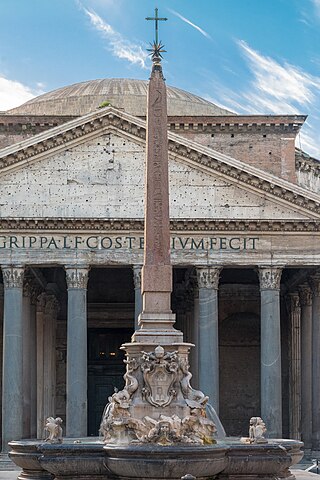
[245, 228]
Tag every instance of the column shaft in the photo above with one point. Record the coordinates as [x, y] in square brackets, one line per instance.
[26, 363]
[271, 397]
[208, 279]
[12, 393]
[137, 294]
[195, 341]
[295, 367]
[77, 352]
[41, 301]
[306, 365]
[33, 375]
[315, 282]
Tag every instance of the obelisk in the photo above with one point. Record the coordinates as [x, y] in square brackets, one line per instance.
[157, 404]
[156, 317]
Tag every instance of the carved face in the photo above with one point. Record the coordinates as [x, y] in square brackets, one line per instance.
[164, 428]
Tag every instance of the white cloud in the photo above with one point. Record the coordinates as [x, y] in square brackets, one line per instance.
[13, 93]
[276, 88]
[184, 19]
[316, 4]
[118, 45]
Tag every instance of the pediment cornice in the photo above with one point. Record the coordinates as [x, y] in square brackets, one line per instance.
[201, 226]
[188, 151]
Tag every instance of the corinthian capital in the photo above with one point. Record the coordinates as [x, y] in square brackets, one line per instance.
[315, 284]
[137, 276]
[294, 301]
[208, 277]
[270, 278]
[305, 294]
[12, 276]
[77, 277]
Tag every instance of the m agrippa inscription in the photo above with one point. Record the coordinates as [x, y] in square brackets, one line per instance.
[125, 242]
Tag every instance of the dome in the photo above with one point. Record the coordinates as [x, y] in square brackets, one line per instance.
[128, 95]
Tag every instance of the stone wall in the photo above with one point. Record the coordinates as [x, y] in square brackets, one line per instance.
[16, 128]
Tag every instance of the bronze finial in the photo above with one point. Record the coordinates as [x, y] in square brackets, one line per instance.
[156, 47]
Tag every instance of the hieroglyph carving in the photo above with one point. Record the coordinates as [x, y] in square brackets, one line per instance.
[13, 276]
[270, 278]
[209, 277]
[77, 277]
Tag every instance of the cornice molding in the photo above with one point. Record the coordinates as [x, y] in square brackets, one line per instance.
[190, 152]
[64, 225]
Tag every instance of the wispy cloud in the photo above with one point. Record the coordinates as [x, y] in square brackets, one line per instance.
[184, 19]
[276, 88]
[316, 4]
[119, 46]
[13, 93]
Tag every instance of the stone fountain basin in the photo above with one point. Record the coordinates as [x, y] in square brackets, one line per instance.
[90, 459]
[165, 462]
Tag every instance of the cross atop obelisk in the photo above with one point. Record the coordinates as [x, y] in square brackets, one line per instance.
[156, 20]
[156, 319]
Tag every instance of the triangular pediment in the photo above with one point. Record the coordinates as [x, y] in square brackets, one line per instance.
[94, 166]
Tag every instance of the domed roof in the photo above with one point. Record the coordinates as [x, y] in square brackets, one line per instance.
[128, 95]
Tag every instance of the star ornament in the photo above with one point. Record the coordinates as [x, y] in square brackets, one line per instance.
[156, 50]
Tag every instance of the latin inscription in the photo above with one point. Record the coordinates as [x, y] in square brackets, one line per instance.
[101, 242]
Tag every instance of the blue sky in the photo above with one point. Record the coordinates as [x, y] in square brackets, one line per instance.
[250, 56]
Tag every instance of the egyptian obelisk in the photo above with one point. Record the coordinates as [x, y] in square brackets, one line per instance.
[157, 404]
[156, 317]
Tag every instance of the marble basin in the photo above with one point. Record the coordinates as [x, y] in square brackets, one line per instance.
[165, 462]
[90, 459]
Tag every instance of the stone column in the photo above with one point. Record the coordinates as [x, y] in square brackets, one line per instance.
[315, 284]
[194, 363]
[46, 320]
[208, 281]
[77, 279]
[26, 358]
[33, 362]
[40, 306]
[49, 358]
[12, 393]
[295, 367]
[271, 398]
[137, 294]
[1, 352]
[306, 365]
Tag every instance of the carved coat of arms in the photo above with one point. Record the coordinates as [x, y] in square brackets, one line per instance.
[160, 371]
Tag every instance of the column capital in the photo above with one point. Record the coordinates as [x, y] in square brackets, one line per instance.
[270, 277]
[294, 301]
[305, 294]
[208, 277]
[41, 302]
[12, 276]
[137, 276]
[314, 281]
[52, 305]
[77, 277]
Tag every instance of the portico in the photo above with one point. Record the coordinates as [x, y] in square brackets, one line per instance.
[67, 303]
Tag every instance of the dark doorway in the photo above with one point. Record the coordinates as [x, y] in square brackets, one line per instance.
[105, 370]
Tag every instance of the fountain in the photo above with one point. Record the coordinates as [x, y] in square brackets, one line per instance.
[157, 426]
